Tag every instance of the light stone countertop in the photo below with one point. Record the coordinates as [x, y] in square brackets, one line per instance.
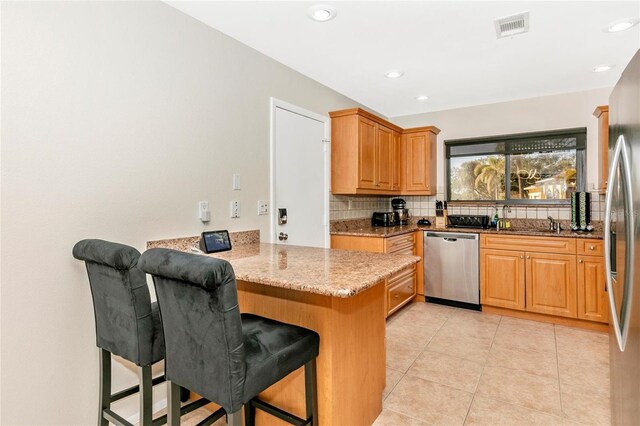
[329, 272]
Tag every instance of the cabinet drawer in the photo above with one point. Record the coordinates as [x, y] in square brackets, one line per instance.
[401, 291]
[400, 242]
[590, 247]
[531, 244]
[401, 275]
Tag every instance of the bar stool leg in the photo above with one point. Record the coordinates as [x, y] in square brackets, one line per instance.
[105, 386]
[249, 414]
[234, 419]
[311, 390]
[146, 395]
[173, 404]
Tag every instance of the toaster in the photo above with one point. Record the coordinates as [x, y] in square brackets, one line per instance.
[383, 219]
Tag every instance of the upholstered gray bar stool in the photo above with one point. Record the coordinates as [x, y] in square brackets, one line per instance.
[127, 324]
[213, 350]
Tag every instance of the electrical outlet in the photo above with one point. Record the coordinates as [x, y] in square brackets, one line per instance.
[235, 209]
[263, 207]
[204, 214]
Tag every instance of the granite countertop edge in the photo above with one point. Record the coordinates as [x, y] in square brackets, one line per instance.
[381, 232]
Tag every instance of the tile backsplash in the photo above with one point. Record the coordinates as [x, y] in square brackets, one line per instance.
[353, 207]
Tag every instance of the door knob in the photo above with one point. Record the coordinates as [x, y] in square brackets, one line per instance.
[283, 236]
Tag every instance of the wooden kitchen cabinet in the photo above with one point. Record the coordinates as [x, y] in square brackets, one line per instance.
[419, 161]
[370, 155]
[502, 278]
[364, 153]
[551, 284]
[385, 158]
[593, 301]
[401, 287]
[552, 279]
[602, 114]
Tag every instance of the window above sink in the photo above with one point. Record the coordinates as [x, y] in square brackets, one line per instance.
[527, 168]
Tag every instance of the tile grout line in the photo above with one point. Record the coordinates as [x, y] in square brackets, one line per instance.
[555, 340]
[475, 391]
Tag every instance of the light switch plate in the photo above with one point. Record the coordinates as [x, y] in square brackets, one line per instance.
[263, 207]
[236, 182]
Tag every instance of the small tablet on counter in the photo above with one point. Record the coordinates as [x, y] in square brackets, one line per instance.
[215, 241]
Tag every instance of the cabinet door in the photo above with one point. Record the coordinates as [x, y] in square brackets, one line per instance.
[419, 162]
[384, 157]
[593, 304]
[602, 113]
[396, 161]
[502, 278]
[551, 284]
[366, 154]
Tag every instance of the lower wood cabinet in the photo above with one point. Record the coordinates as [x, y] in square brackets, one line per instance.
[551, 280]
[551, 284]
[402, 286]
[593, 301]
[502, 278]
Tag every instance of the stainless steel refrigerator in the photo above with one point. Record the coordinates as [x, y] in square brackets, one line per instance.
[622, 245]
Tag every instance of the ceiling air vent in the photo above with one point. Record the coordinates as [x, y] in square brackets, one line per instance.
[512, 25]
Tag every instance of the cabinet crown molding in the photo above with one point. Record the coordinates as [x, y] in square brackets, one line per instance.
[600, 110]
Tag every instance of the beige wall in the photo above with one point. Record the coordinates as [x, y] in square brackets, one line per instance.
[117, 118]
[527, 115]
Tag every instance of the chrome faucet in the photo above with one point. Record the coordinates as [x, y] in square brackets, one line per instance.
[553, 225]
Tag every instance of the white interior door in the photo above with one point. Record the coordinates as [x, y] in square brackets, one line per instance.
[299, 176]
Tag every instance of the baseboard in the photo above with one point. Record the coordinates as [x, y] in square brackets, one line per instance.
[589, 325]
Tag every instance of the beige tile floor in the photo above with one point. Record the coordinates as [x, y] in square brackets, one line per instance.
[448, 366]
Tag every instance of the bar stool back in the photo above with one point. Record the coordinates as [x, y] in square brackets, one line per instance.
[213, 350]
[127, 323]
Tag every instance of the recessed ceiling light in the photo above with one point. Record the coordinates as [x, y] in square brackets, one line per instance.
[422, 98]
[602, 68]
[322, 12]
[621, 25]
[394, 74]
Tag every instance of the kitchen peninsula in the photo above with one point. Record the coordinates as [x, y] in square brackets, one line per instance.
[337, 293]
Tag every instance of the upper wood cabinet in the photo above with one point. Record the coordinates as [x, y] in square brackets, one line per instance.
[419, 161]
[602, 113]
[370, 155]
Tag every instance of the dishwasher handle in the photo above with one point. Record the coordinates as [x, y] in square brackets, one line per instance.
[451, 236]
[450, 240]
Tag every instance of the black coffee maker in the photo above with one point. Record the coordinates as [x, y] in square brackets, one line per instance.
[399, 211]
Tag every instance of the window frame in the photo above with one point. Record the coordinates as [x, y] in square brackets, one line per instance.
[580, 133]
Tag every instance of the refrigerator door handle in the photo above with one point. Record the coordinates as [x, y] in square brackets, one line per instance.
[620, 154]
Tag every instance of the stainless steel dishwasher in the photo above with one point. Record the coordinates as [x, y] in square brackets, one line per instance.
[451, 268]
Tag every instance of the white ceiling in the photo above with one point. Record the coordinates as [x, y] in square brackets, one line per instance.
[447, 50]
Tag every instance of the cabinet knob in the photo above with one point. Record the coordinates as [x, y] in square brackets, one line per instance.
[580, 261]
[528, 257]
[410, 287]
[521, 257]
[396, 296]
[592, 247]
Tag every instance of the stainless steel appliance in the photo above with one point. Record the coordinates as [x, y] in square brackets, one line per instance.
[383, 219]
[402, 213]
[451, 268]
[622, 216]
